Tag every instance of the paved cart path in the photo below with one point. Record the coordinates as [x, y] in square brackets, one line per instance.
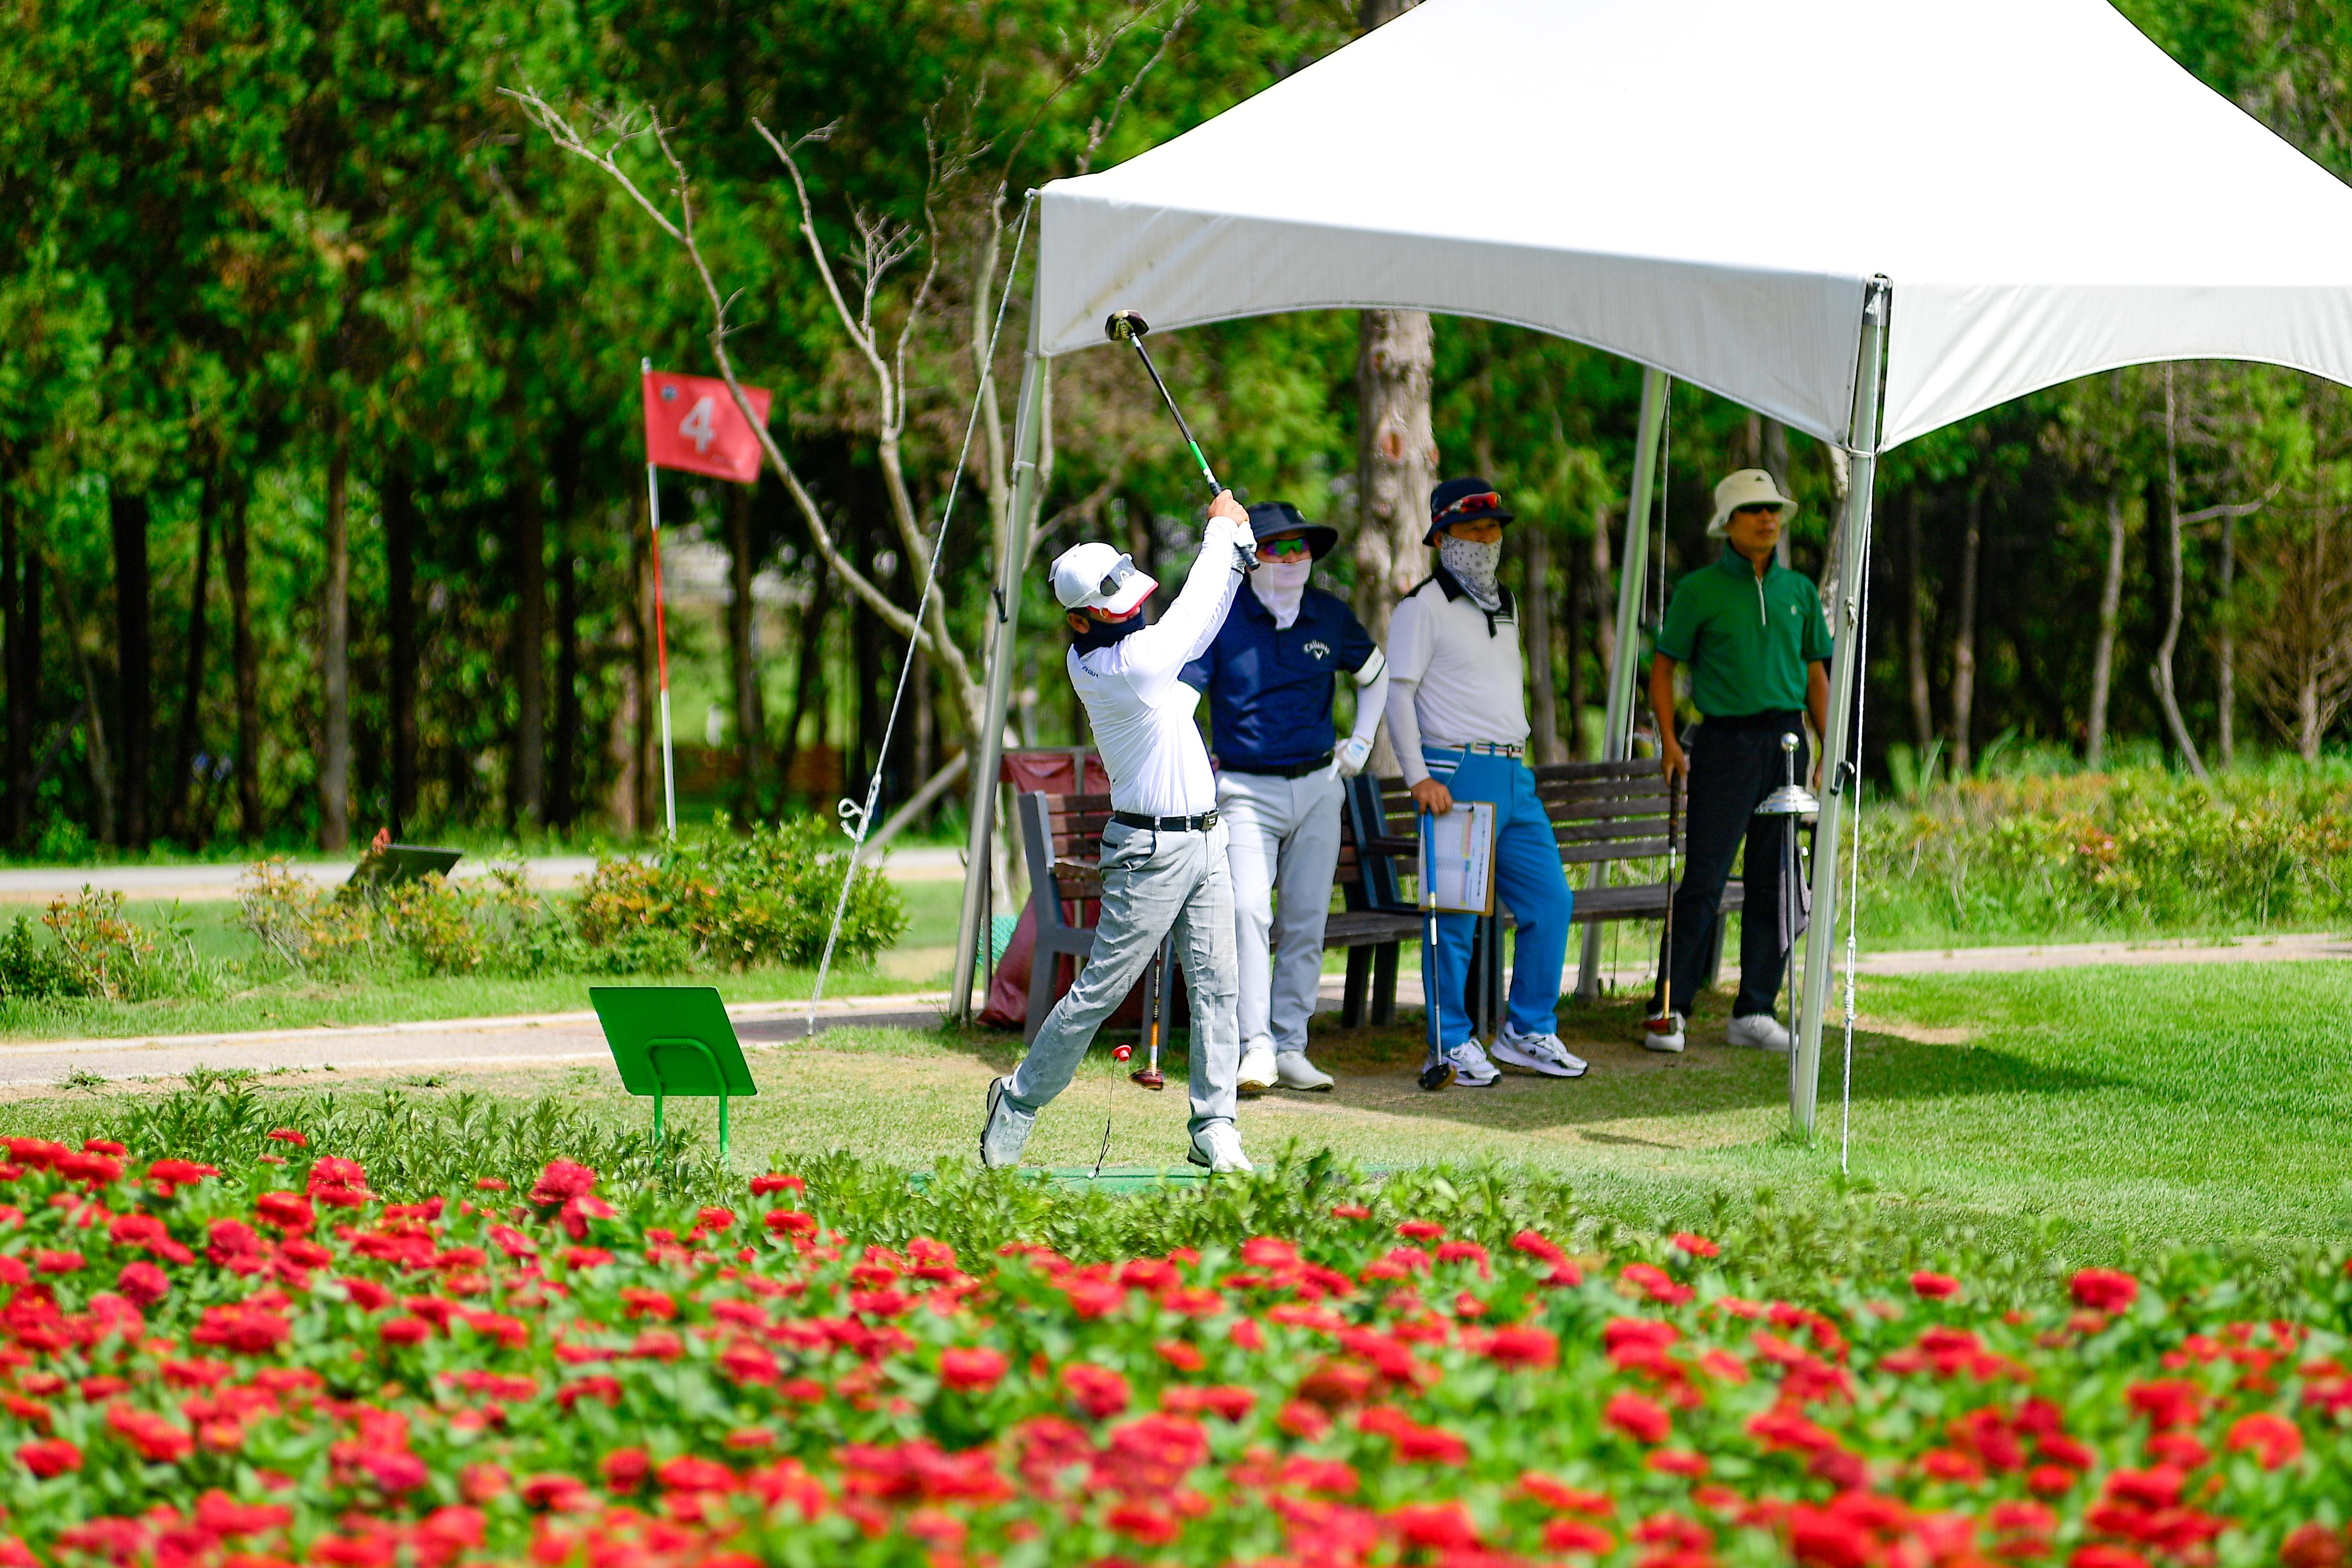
[446, 1045]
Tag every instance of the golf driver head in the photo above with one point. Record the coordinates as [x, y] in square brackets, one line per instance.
[1151, 1078]
[1125, 326]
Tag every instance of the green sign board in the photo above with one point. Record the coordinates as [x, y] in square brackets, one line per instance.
[674, 1039]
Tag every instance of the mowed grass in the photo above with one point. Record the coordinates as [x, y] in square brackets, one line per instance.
[2093, 1110]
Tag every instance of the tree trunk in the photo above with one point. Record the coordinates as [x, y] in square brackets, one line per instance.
[2162, 672]
[400, 593]
[101, 772]
[1773, 457]
[236, 557]
[1964, 636]
[742, 658]
[335, 655]
[527, 790]
[191, 686]
[1604, 609]
[1914, 638]
[2103, 653]
[1396, 464]
[21, 587]
[926, 740]
[1571, 635]
[2225, 653]
[134, 673]
[646, 804]
[808, 669]
[1543, 682]
[563, 785]
[1833, 560]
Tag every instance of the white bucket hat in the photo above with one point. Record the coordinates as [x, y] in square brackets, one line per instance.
[1097, 577]
[1745, 487]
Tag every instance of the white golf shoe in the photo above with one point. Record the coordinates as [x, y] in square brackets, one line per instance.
[1471, 1068]
[1219, 1147]
[1662, 1033]
[1257, 1073]
[1537, 1053]
[1004, 1131]
[1293, 1071]
[1757, 1032]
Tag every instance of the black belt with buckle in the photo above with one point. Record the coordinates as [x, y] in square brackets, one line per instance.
[1295, 770]
[1200, 824]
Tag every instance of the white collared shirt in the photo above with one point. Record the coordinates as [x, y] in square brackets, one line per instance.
[1456, 674]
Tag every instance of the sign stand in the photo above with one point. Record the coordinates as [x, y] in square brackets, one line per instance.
[397, 864]
[674, 1039]
[661, 637]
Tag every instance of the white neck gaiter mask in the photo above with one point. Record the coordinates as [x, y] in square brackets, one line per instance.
[1472, 566]
[1281, 586]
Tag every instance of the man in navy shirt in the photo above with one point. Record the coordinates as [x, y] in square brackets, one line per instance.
[1270, 675]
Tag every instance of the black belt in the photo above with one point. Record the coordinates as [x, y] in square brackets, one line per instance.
[1200, 824]
[1780, 719]
[1296, 771]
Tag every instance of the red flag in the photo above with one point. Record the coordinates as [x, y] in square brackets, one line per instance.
[692, 423]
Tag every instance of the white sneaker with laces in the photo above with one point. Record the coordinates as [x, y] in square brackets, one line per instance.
[1004, 1131]
[1664, 1034]
[1257, 1074]
[1471, 1068]
[1219, 1147]
[1293, 1071]
[1757, 1032]
[1537, 1053]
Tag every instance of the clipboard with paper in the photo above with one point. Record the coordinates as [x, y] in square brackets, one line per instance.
[1457, 856]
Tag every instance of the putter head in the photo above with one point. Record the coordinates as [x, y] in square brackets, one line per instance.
[1125, 326]
[1150, 1078]
[1436, 1075]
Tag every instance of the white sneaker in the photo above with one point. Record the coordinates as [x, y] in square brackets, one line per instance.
[1293, 1071]
[1757, 1032]
[1004, 1131]
[1537, 1053]
[1257, 1072]
[1471, 1068]
[1219, 1147]
[1664, 1034]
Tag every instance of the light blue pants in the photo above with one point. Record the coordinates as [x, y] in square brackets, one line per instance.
[1285, 835]
[1153, 883]
[1529, 880]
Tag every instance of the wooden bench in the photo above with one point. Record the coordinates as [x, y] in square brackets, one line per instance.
[1602, 812]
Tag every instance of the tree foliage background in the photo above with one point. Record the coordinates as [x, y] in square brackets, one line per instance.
[321, 505]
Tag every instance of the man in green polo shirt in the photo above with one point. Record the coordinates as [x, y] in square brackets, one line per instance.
[1757, 645]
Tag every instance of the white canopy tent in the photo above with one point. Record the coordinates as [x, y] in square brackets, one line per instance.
[2004, 196]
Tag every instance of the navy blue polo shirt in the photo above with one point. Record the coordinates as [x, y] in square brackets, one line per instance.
[1270, 688]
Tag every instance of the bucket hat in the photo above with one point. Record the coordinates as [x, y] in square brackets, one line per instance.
[1273, 518]
[1747, 488]
[1463, 501]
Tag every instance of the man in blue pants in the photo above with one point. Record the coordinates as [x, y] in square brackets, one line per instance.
[1458, 719]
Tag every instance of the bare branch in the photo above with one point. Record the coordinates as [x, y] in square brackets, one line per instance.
[1101, 129]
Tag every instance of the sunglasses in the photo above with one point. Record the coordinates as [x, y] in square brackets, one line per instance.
[1485, 501]
[1282, 549]
[1121, 571]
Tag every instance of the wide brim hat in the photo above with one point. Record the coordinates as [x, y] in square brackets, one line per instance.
[1468, 500]
[1271, 519]
[1747, 488]
[1094, 576]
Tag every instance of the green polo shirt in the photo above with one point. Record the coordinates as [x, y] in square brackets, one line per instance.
[1747, 639]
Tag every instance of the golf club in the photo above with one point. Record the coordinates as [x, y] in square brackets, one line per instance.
[1664, 1022]
[1149, 1075]
[1126, 327]
[1436, 1073]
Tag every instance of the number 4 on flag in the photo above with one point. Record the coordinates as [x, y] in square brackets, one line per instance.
[692, 423]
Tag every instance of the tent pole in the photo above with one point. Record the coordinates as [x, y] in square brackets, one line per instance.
[1847, 634]
[988, 746]
[1625, 669]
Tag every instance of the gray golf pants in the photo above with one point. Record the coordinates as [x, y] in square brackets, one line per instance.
[1154, 882]
[1285, 836]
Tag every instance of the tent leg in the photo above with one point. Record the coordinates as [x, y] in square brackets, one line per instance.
[1845, 667]
[988, 746]
[1624, 671]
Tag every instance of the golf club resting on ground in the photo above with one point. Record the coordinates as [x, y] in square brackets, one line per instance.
[1225, 863]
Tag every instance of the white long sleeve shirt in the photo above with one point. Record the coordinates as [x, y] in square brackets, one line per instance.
[1141, 713]
[1456, 674]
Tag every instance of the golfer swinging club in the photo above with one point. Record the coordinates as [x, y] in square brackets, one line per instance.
[1458, 720]
[1163, 850]
[1752, 632]
[1269, 676]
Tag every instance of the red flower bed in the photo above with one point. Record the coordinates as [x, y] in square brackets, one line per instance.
[193, 1376]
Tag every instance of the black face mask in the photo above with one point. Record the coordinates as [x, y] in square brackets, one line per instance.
[1103, 634]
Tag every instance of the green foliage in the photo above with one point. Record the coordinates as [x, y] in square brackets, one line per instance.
[95, 950]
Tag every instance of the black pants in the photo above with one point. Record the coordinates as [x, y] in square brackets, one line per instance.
[1734, 764]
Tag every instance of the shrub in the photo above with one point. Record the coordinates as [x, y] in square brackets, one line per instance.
[95, 950]
[763, 897]
[314, 931]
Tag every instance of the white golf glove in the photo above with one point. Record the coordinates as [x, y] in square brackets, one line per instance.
[1351, 757]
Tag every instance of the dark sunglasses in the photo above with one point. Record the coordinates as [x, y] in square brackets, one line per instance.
[1278, 549]
[1121, 570]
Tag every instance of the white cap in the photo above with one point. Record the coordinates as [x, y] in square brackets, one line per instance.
[1097, 577]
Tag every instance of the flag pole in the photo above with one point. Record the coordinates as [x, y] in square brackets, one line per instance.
[661, 637]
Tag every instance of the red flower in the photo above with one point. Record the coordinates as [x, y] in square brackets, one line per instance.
[1644, 1420]
[2166, 1403]
[1096, 1390]
[761, 1185]
[2312, 1546]
[48, 1260]
[689, 1472]
[1576, 1535]
[288, 1211]
[286, 1136]
[50, 1457]
[1656, 1283]
[405, 1330]
[1350, 1211]
[1535, 1244]
[2101, 1556]
[1419, 1229]
[790, 1222]
[1678, 1462]
[155, 1438]
[1137, 1523]
[561, 1181]
[1444, 1525]
[1303, 1420]
[1523, 1345]
[2274, 1439]
[714, 1219]
[1697, 1246]
[2103, 1290]
[143, 1283]
[1935, 1287]
[623, 1469]
[975, 1369]
[242, 1328]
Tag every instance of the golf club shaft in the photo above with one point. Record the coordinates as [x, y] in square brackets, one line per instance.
[1176, 414]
